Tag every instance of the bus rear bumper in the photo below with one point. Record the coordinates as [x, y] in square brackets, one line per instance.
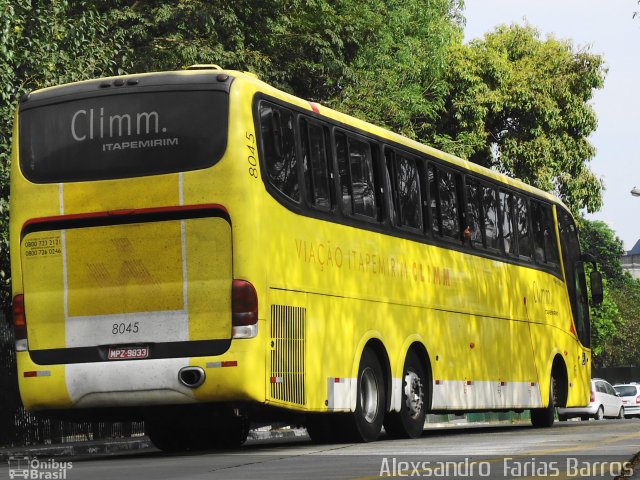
[132, 383]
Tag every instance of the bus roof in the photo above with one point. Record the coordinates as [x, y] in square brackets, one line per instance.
[198, 70]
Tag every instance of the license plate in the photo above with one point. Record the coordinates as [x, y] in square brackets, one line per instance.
[128, 353]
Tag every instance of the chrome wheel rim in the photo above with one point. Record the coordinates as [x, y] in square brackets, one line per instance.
[369, 395]
[413, 393]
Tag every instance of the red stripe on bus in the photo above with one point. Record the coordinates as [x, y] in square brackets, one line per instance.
[124, 212]
[314, 107]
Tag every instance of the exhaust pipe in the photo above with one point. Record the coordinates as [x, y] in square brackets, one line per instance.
[191, 377]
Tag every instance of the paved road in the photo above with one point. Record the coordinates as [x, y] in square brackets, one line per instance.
[569, 450]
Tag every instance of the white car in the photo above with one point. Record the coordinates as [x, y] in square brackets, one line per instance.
[604, 402]
[630, 394]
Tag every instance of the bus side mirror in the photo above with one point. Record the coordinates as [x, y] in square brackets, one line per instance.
[597, 291]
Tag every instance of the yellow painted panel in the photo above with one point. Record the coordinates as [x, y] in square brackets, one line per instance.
[112, 195]
[125, 268]
[208, 244]
[43, 282]
[50, 379]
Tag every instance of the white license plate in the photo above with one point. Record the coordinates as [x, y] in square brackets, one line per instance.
[128, 353]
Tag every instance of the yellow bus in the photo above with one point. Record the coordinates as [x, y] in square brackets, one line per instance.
[201, 250]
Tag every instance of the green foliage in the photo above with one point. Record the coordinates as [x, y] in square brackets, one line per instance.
[341, 52]
[606, 324]
[519, 104]
[599, 240]
[624, 347]
[397, 75]
[302, 46]
[43, 43]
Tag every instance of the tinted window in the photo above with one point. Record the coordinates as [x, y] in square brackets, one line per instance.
[521, 212]
[434, 206]
[316, 165]
[449, 209]
[546, 249]
[508, 223]
[128, 135]
[343, 170]
[355, 164]
[278, 142]
[405, 187]
[491, 220]
[574, 276]
[474, 213]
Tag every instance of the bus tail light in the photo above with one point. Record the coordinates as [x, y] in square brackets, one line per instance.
[20, 324]
[244, 307]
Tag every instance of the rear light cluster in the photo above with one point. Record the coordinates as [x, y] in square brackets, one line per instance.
[244, 308]
[638, 400]
[593, 396]
[20, 324]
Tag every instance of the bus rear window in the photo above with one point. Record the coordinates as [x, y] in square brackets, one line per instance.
[118, 136]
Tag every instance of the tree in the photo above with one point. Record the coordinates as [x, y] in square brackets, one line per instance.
[519, 104]
[397, 75]
[43, 43]
[343, 53]
[607, 322]
[600, 241]
[624, 348]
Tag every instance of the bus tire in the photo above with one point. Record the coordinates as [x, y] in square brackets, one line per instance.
[165, 437]
[371, 399]
[544, 417]
[409, 421]
[322, 427]
[230, 431]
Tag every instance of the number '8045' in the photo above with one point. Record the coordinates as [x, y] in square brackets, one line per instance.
[122, 328]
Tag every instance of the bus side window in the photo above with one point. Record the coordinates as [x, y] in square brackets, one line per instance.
[316, 165]
[389, 170]
[449, 209]
[537, 222]
[408, 182]
[522, 227]
[491, 219]
[474, 213]
[434, 204]
[508, 223]
[278, 141]
[405, 190]
[342, 154]
[355, 164]
[544, 233]
[362, 183]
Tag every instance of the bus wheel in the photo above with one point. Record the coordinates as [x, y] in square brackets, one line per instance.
[544, 417]
[409, 422]
[325, 427]
[165, 437]
[230, 431]
[371, 401]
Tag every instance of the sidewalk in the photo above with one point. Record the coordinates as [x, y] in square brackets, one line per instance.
[90, 447]
[114, 446]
